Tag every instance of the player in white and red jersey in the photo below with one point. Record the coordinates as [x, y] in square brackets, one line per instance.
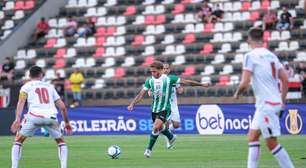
[265, 71]
[42, 101]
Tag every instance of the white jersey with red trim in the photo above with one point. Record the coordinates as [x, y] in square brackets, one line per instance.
[41, 98]
[264, 66]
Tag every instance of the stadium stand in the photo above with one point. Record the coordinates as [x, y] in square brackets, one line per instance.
[132, 34]
[15, 12]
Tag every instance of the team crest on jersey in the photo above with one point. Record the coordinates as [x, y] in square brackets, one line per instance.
[294, 122]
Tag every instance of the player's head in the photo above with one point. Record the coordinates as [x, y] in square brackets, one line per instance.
[36, 72]
[255, 36]
[156, 69]
[166, 68]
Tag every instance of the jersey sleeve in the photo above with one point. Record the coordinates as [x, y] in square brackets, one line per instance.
[248, 63]
[147, 85]
[174, 79]
[24, 91]
[278, 65]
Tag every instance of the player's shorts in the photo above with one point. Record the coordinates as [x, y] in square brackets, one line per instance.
[266, 120]
[31, 123]
[163, 115]
[175, 115]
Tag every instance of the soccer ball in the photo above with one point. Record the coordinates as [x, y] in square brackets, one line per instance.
[114, 151]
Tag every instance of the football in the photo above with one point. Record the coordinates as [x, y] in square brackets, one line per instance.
[114, 151]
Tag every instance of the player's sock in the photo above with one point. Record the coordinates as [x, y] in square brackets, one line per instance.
[153, 138]
[167, 133]
[16, 154]
[282, 157]
[63, 154]
[254, 153]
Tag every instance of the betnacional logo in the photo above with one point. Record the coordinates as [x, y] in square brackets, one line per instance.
[210, 120]
[294, 122]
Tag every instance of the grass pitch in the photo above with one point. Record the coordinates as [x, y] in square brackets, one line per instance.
[191, 151]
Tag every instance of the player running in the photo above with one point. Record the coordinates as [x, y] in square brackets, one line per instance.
[42, 101]
[175, 119]
[265, 70]
[161, 86]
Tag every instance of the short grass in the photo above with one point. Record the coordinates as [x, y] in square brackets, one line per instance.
[191, 151]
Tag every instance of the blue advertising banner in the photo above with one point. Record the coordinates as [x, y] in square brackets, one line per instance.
[195, 119]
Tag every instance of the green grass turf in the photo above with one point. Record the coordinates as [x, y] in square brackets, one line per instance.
[191, 151]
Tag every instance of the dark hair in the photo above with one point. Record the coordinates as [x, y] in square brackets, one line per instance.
[255, 34]
[157, 64]
[35, 71]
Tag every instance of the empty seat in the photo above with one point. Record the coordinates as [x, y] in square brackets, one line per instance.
[219, 58]
[99, 52]
[227, 69]
[207, 48]
[109, 62]
[119, 72]
[189, 70]
[130, 10]
[148, 61]
[109, 73]
[128, 61]
[179, 60]
[208, 70]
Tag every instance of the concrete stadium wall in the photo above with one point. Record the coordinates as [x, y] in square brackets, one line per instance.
[22, 33]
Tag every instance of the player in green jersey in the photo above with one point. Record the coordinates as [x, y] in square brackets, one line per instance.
[161, 87]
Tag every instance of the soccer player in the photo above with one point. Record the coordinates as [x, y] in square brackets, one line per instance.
[265, 70]
[42, 101]
[161, 86]
[175, 120]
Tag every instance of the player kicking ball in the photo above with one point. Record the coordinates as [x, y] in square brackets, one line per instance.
[42, 101]
[265, 70]
[161, 87]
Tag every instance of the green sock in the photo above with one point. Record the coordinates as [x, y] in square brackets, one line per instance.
[152, 141]
[167, 133]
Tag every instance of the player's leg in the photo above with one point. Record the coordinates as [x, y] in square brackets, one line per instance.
[170, 138]
[270, 131]
[155, 132]
[55, 132]
[62, 152]
[27, 130]
[254, 148]
[17, 150]
[175, 117]
[253, 142]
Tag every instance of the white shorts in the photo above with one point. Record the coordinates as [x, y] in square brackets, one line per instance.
[175, 115]
[266, 120]
[31, 123]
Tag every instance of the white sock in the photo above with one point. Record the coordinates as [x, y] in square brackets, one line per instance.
[282, 157]
[254, 153]
[16, 154]
[63, 154]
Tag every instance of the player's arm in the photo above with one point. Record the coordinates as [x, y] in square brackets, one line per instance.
[60, 104]
[193, 83]
[283, 84]
[20, 105]
[138, 97]
[244, 83]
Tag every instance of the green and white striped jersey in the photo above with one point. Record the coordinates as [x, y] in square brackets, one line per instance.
[161, 91]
